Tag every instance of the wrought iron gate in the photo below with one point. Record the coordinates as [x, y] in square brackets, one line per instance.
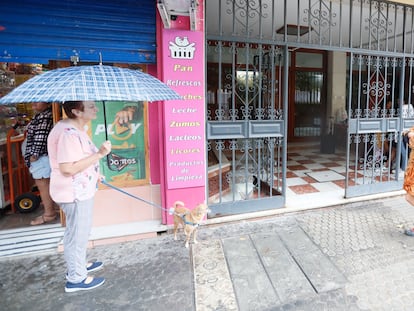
[380, 111]
[245, 128]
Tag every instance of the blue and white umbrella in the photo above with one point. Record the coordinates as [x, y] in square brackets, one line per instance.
[96, 83]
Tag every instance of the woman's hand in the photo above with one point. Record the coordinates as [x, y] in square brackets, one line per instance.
[72, 168]
[105, 149]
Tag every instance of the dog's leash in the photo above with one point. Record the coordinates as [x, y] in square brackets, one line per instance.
[170, 210]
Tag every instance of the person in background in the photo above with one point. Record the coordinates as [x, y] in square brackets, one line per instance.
[75, 173]
[407, 112]
[390, 143]
[36, 158]
[409, 177]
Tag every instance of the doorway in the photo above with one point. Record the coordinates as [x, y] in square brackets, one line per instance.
[248, 104]
[307, 95]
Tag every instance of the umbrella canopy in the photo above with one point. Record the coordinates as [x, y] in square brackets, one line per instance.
[96, 83]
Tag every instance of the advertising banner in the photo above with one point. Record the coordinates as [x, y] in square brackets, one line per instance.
[126, 164]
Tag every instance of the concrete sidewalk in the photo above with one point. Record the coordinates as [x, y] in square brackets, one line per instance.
[351, 257]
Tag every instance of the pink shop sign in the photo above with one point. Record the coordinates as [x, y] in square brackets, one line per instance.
[184, 119]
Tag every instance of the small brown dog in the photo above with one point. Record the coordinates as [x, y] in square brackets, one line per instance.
[188, 219]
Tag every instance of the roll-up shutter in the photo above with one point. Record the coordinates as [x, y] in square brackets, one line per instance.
[33, 31]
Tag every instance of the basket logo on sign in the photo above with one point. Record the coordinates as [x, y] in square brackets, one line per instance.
[181, 48]
[117, 162]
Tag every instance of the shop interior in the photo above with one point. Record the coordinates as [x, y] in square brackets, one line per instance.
[19, 198]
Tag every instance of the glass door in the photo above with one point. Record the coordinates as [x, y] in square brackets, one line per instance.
[307, 111]
[308, 108]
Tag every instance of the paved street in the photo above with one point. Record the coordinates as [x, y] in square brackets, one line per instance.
[351, 257]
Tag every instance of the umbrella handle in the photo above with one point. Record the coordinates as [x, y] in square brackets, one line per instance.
[106, 129]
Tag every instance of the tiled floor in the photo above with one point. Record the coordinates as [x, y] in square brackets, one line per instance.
[314, 179]
[309, 171]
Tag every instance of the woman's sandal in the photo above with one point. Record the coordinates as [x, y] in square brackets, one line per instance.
[43, 219]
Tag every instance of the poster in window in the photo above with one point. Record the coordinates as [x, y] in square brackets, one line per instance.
[126, 164]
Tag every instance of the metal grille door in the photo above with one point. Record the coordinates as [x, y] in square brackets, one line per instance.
[245, 127]
[380, 110]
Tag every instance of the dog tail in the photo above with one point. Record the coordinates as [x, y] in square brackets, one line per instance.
[171, 211]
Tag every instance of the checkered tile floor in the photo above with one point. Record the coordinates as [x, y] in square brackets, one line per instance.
[314, 177]
[309, 171]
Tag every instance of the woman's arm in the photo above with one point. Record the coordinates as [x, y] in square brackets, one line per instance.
[72, 168]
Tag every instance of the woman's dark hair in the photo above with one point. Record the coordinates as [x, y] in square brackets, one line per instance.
[70, 105]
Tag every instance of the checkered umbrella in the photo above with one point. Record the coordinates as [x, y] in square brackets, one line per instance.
[97, 83]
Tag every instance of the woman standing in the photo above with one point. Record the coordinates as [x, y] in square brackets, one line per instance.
[37, 160]
[74, 161]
